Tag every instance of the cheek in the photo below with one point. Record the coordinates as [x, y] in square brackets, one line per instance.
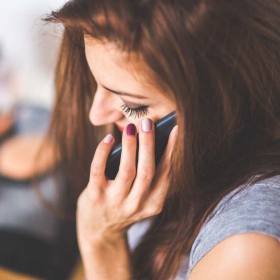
[164, 110]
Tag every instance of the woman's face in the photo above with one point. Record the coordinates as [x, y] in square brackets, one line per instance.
[113, 79]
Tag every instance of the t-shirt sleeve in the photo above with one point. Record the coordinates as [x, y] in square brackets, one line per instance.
[254, 209]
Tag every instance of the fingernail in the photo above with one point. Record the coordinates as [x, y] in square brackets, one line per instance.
[108, 139]
[146, 125]
[131, 129]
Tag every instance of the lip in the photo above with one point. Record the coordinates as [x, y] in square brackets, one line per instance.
[120, 127]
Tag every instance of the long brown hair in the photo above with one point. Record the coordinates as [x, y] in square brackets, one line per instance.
[220, 62]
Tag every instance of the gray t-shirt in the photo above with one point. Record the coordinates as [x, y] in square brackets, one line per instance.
[254, 209]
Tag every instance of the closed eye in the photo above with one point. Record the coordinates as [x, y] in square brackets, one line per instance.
[138, 112]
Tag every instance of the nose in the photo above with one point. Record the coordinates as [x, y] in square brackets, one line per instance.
[105, 109]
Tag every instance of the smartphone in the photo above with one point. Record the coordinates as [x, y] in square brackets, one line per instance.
[163, 128]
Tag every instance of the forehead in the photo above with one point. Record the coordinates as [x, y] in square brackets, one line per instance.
[107, 62]
[119, 71]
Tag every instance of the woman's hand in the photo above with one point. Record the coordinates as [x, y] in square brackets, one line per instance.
[106, 208]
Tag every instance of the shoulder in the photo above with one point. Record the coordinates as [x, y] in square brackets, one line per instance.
[253, 210]
[241, 256]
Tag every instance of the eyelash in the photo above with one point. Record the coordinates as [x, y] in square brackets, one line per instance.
[140, 111]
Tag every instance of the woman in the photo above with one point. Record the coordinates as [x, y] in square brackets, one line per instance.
[216, 63]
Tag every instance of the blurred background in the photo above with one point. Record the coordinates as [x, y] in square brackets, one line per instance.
[28, 50]
[35, 243]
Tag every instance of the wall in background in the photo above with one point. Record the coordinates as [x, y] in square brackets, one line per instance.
[29, 48]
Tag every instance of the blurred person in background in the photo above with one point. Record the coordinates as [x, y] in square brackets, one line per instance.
[211, 208]
[7, 97]
[35, 241]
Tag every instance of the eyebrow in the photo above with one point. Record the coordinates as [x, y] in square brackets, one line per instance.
[126, 94]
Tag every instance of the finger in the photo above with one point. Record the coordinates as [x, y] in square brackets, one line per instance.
[164, 164]
[146, 159]
[161, 182]
[127, 168]
[166, 157]
[98, 165]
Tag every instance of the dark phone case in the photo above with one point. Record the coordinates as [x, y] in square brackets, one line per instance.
[163, 128]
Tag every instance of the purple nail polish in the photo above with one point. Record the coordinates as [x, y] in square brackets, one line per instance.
[131, 129]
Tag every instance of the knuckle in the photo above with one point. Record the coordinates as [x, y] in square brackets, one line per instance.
[159, 198]
[95, 170]
[129, 169]
[117, 199]
[132, 209]
[127, 173]
[94, 195]
[146, 174]
[125, 176]
[154, 209]
[157, 210]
